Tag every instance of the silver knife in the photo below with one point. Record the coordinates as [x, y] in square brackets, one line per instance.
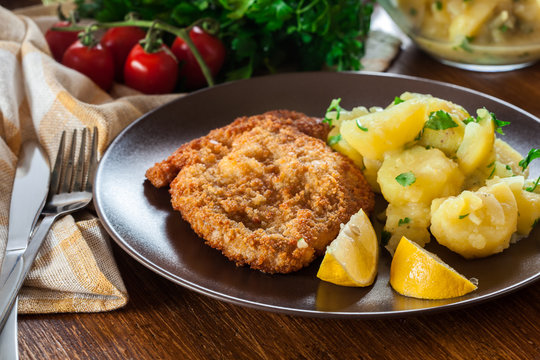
[28, 197]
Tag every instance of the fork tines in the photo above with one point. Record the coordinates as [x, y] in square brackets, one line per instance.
[70, 174]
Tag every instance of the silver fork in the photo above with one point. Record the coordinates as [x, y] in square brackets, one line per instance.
[68, 192]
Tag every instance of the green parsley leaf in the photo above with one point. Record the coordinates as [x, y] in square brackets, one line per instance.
[463, 216]
[438, 5]
[266, 33]
[533, 154]
[404, 221]
[406, 179]
[333, 140]
[466, 44]
[492, 171]
[535, 185]
[440, 120]
[334, 106]
[398, 100]
[499, 123]
[470, 120]
[359, 124]
[385, 237]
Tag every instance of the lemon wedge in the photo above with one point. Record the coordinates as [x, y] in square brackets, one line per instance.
[417, 273]
[351, 259]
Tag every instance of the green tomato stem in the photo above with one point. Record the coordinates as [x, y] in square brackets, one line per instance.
[182, 33]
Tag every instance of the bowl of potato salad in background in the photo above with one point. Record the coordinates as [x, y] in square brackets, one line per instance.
[478, 35]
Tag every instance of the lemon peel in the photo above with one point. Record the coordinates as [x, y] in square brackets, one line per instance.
[418, 273]
[351, 259]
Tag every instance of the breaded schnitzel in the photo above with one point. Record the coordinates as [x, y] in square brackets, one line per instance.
[263, 191]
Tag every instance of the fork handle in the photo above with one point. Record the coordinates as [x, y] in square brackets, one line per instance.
[15, 278]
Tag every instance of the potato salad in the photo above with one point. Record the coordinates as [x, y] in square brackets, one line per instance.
[443, 172]
[477, 21]
[484, 32]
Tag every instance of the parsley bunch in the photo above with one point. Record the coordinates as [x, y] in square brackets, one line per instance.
[262, 35]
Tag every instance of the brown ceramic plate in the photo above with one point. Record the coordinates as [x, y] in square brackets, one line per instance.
[140, 218]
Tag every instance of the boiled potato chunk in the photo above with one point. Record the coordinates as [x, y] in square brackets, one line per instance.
[477, 142]
[385, 130]
[447, 140]
[371, 168]
[507, 155]
[528, 203]
[434, 104]
[476, 224]
[410, 220]
[344, 148]
[346, 115]
[434, 176]
[471, 20]
[500, 170]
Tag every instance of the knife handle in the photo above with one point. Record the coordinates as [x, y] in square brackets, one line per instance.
[8, 337]
[15, 278]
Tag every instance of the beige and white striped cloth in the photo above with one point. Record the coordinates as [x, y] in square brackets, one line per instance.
[39, 98]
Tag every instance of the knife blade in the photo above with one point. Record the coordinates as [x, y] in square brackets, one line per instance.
[28, 197]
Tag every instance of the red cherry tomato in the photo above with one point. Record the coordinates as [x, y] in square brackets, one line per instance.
[59, 41]
[120, 41]
[151, 73]
[211, 49]
[95, 62]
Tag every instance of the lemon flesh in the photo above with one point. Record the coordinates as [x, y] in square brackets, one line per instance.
[351, 259]
[417, 273]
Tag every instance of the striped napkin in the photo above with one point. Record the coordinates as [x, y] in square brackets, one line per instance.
[75, 270]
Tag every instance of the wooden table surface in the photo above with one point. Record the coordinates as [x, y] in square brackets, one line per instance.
[166, 321]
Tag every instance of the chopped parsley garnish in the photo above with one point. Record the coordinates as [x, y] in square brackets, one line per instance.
[398, 100]
[535, 222]
[466, 44]
[491, 164]
[498, 123]
[440, 120]
[508, 167]
[334, 106]
[438, 5]
[533, 154]
[359, 124]
[492, 172]
[406, 179]
[385, 237]
[333, 140]
[413, 11]
[404, 221]
[419, 136]
[535, 185]
[463, 216]
[470, 120]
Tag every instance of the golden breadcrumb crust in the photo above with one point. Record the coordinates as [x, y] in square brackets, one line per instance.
[263, 191]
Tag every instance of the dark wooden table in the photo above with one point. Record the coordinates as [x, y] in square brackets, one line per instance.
[165, 321]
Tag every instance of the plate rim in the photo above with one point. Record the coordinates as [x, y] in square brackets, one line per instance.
[125, 246]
